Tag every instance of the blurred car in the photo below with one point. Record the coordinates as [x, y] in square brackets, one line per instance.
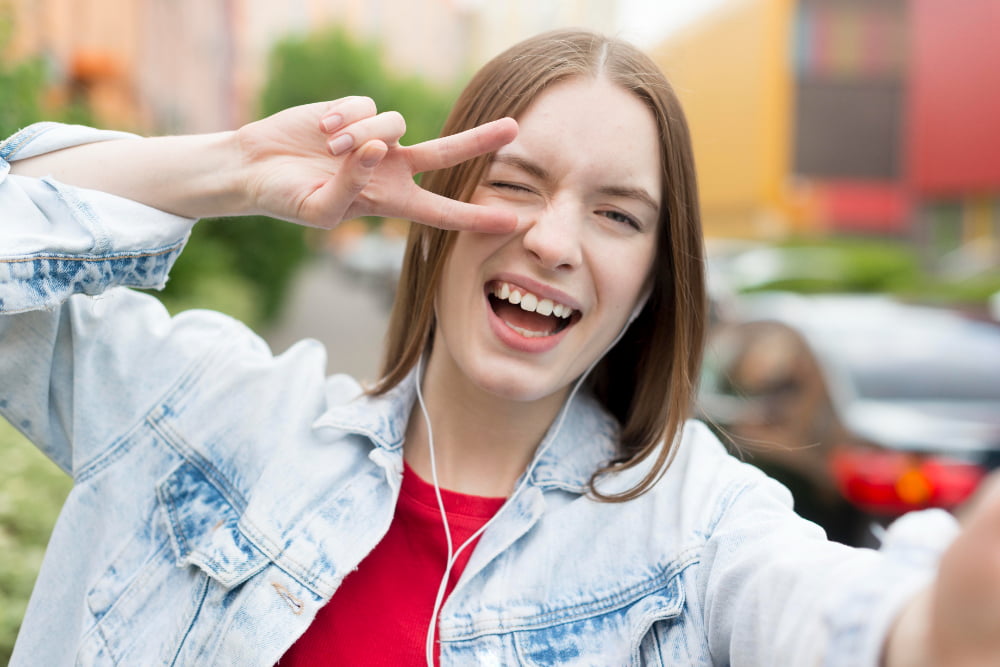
[864, 407]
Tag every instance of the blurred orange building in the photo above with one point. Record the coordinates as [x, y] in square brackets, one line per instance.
[140, 64]
[89, 53]
[846, 116]
[197, 66]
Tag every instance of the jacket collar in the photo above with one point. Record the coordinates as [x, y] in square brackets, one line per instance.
[570, 453]
[382, 419]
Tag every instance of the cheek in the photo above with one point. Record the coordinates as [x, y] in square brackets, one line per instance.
[462, 275]
[448, 295]
[463, 257]
[628, 277]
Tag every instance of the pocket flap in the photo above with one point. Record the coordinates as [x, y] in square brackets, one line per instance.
[204, 528]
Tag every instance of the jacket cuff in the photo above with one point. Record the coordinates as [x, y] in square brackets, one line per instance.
[58, 240]
[910, 552]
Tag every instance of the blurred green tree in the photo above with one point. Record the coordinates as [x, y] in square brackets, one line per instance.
[319, 66]
[23, 86]
[331, 64]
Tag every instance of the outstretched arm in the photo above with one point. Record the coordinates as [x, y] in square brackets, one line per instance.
[316, 164]
[956, 622]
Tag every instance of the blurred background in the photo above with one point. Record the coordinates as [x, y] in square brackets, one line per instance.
[843, 146]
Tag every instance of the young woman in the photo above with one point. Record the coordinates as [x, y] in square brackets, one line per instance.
[520, 487]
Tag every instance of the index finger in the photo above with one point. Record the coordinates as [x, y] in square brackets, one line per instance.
[447, 151]
[437, 211]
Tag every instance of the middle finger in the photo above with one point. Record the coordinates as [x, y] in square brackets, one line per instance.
[387, 126]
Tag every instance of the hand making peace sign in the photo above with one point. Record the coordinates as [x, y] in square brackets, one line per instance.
[322, 163]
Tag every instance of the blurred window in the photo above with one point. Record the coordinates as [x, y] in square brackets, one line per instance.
[848, 129]
[848, 60]
[850, 38]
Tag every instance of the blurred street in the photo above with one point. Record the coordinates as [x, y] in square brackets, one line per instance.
[344, 312]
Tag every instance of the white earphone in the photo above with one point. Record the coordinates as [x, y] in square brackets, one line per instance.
[454, 553]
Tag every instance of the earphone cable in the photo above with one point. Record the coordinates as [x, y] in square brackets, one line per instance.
[454, 553]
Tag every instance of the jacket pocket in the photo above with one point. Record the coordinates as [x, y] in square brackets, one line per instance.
[204, 528]
[150, 600]
[606, 632]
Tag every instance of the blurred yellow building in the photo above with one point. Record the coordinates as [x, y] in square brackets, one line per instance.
[731, 71]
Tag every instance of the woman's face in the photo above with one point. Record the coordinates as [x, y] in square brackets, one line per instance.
[522, 315]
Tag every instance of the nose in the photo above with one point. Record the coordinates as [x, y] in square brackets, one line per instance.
[552, 236]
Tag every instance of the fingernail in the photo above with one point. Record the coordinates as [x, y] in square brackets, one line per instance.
[341, 144]
[332, 122]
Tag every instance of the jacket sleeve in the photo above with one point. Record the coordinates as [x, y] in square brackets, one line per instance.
[73, 369]
[776, 592]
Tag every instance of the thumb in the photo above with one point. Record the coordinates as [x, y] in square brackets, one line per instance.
[329, 204]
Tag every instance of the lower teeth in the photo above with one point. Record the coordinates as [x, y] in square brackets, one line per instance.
[527, 333]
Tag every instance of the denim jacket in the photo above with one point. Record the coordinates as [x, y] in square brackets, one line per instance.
[222, 493]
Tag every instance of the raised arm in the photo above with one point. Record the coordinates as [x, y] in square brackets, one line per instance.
[316, 164]
[84, 211]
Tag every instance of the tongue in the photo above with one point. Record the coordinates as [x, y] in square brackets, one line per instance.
[512, 314]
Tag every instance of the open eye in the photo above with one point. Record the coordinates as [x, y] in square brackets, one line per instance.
[623, 218]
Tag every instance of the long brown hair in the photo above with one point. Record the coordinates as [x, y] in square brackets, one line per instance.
[647, 381]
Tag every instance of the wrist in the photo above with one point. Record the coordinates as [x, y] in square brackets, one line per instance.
[907, 642]
[213, 179]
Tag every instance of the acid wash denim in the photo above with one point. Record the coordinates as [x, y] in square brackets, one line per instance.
[222, 493]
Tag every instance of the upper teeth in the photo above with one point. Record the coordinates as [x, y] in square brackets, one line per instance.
[530, 302]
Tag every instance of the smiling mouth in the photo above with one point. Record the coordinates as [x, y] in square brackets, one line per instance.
[528, 314]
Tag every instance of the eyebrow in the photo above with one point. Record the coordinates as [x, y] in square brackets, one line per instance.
[539, 172]
[639, 194]
[523, 164]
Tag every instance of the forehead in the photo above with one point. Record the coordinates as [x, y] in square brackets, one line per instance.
[591, 126]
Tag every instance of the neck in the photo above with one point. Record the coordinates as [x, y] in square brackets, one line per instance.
[482, 443]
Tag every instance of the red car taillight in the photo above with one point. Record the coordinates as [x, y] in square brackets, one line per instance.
[888, 483]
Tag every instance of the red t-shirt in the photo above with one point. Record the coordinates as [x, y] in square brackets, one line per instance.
[380, 614]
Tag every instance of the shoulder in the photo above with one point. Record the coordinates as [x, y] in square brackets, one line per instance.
[138, 327]
[704, 488]
[705, 464]
[701, 470]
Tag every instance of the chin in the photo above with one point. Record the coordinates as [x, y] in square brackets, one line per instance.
[515, 383]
